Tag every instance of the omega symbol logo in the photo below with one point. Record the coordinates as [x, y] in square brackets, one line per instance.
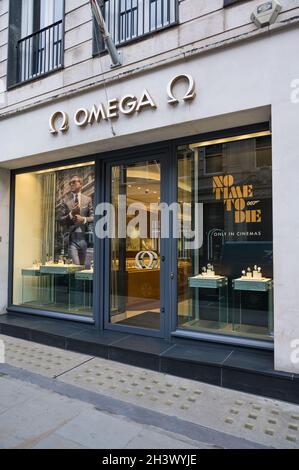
[152, 260]
[191, 93]
[129, 104]
[64, 125]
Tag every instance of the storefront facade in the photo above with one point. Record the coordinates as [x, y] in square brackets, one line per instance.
[207, 141]
[145, 267]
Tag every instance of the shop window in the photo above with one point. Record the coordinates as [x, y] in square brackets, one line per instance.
[136, 259]
[227, 3]
[263, 152]
[53, 239]
[35, 39]
[225, 273]
[130, 19]
[213, 159]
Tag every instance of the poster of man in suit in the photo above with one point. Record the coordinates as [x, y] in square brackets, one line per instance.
[74, 205]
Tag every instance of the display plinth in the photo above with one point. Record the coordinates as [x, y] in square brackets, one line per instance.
[32, 285]
[85, 275]
[253, 284]
[209, 282]
[220, 283]
[64, 269]
[31, 272]
[263, 285]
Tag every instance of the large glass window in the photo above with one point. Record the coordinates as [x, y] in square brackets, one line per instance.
[135, 263]
[53, 239]
[225, 279]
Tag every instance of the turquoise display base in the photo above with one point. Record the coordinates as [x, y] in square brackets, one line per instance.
[256, 285]
[84, 276]
[31, 272]
[62, 270]
[208, 283]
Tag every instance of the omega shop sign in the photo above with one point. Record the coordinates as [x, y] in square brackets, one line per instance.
[127, 105]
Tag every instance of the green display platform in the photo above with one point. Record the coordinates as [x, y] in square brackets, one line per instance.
[208, 282]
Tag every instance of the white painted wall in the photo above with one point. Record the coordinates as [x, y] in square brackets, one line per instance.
[203, 24]
[28, 230]
[285, 117]
[230, 80]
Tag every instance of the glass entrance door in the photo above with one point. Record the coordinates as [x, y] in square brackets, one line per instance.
[135, 250]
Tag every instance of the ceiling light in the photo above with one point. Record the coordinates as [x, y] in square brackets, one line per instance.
[229, 139]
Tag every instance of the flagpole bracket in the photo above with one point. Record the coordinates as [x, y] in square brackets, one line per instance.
[120, 61]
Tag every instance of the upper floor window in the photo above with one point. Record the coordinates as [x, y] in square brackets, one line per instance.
[231, 2]
[36, 38]
[130, 19]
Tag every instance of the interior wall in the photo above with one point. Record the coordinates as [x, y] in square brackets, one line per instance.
[28, 227]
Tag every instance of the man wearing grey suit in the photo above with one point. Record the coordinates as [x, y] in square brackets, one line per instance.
[77, 213]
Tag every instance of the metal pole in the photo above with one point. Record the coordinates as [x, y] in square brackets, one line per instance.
[113, 52]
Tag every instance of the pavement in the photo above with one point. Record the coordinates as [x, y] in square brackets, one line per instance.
[56, 399]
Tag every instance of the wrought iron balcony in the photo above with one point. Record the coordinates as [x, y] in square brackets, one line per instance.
[40, 52]
[131, 19]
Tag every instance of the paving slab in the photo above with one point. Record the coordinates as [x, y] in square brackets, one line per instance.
[266, 421]
[52, 421]
[99, 431]
[256, 419]
[55, 441]
[46, 360]
[31, 419]
[157, 440]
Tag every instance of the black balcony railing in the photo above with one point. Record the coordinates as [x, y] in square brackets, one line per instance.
[40, 52]
[130, 19]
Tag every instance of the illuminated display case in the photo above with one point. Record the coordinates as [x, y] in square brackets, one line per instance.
[246, 288]
[58, 239]
[218, 287]
[228, 184]
[58, 286]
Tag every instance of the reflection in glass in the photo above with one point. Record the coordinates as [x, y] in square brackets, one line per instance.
[53, 242]
[226, 285]
[135, 261]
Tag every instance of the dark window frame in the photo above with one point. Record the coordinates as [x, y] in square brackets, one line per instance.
[14, 38]
[228, 3]
[98, 46]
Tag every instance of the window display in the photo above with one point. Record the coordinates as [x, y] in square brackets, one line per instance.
[226, 283]
[53, 242]
[136, 258]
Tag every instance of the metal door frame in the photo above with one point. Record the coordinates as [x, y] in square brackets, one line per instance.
[163, 155]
